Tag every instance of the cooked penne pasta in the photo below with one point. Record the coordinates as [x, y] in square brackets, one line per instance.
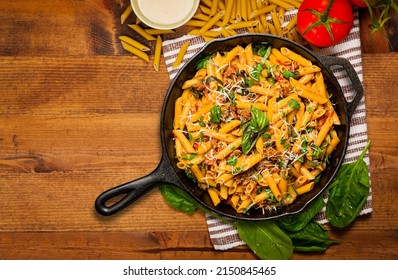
[257, 144]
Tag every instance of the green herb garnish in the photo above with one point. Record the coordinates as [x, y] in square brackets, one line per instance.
[215, 114]
[254, 129]
[293, 104]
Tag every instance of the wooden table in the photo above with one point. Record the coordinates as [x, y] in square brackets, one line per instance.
[77, 117]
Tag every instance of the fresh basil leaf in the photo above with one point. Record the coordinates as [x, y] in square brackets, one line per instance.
[215, 114]
[265, 239]
[312, 238]
[299, 221]
[202, 63]
[254, 129]
[259, 120]
[179, 199]
[293, 104]
[348, 192]
[249, 138]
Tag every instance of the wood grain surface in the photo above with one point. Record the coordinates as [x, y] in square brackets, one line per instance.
[79, 115]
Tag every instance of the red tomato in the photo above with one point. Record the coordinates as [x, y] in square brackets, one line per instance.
[324, 23]
[358, 3]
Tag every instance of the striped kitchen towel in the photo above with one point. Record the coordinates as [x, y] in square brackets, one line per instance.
[225, 236]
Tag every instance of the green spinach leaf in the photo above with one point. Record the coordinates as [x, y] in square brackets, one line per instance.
[312, 238]
[299, 221]
[265, 239]
[179, 199]
[348, 192]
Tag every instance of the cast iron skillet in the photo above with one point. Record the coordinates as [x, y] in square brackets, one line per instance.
[167, 171]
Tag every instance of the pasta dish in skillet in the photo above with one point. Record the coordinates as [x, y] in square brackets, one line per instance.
[254, 126]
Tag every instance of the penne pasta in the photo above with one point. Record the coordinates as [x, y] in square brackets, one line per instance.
[134, 43]
[157, 54]
[180, 55]
[254, 145]
[135, 51]
[142, 32]
[127, 12]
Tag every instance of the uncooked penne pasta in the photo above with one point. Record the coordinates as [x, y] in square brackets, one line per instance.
[181, 54]
[134, 43]
[135, 51]
[158, 52]
[127, 12]
[142, 32]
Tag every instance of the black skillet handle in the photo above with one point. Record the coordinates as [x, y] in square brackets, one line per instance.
[134, 190]
[329, 61]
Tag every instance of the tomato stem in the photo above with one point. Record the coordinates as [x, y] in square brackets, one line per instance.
[325, 14]
[324, 19]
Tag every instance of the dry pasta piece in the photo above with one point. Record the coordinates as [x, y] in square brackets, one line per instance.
[195, 23]
[292, 23]
[212, 21]
[243, 24]
[282, 4]
[127, 12]
[142, 32]
[209, 33]
[135, 51]
[294, 3]
[213, 7]
[134, 43]
[181, 54]
[243, 10]
[262, 11]
[277, 24]
[158, 52]
[228, 12]
[153, 31]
